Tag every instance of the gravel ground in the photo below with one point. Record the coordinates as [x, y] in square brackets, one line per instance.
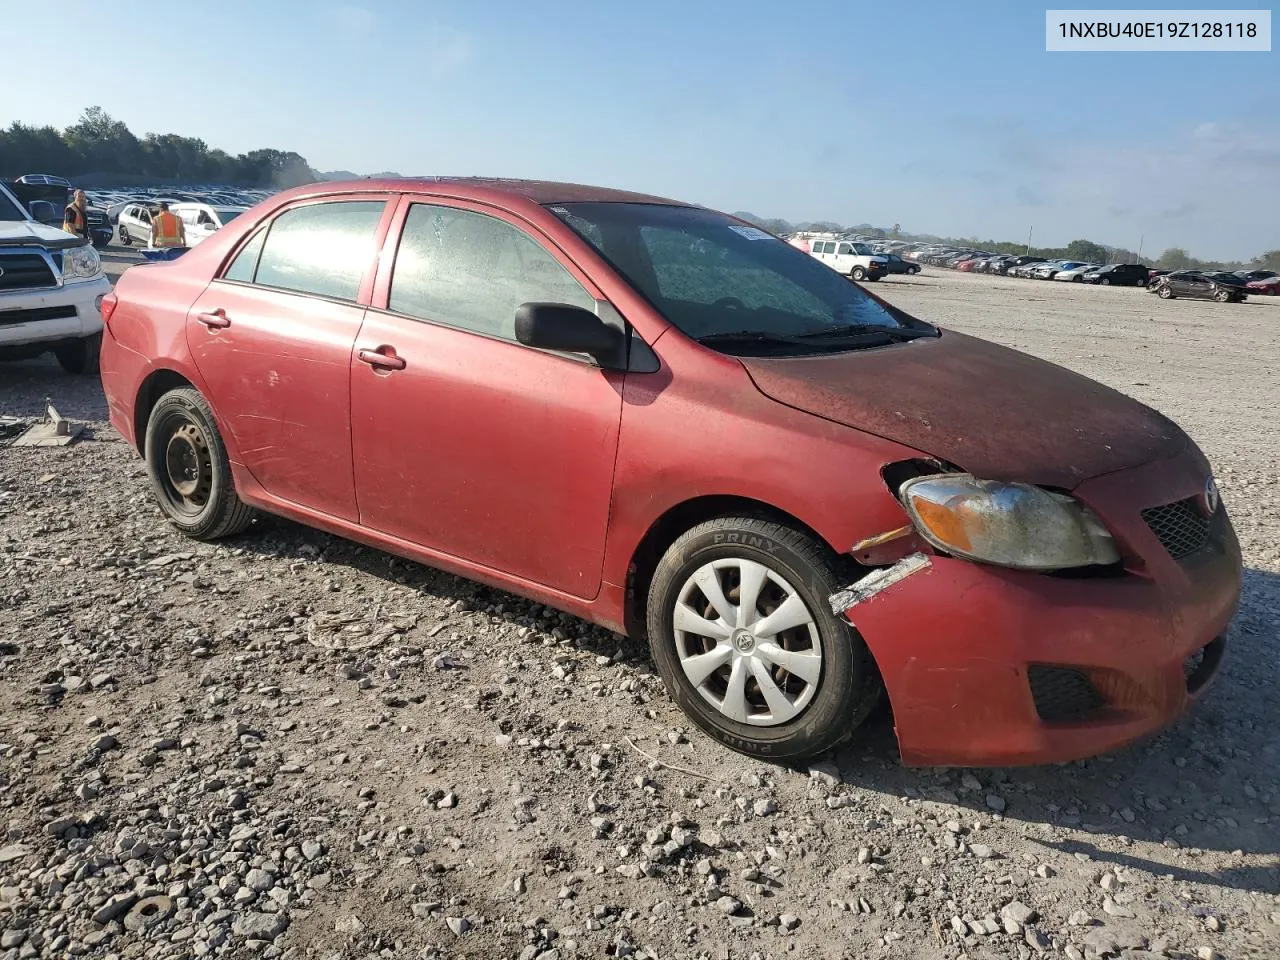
[289, 745]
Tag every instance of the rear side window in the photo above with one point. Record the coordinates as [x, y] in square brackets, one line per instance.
[245, 264]
[470, 270]
[322, 249]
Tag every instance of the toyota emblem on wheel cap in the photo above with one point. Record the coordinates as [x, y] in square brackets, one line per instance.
[1210, 499]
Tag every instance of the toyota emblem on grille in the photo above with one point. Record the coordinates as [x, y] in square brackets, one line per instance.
[1210, 499]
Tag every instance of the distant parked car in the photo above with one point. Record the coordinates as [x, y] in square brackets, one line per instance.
[135, 223]
[1047, 271]
[854, 260]
[1120, 275]
[966, 265]
[1076, 274]
[1185, 283]
[897, 265]
[1268, 285]
[1223, 276]
[1251, 275]
[202, 220]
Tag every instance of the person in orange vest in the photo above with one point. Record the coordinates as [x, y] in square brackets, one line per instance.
[74, 219]
[166, 229]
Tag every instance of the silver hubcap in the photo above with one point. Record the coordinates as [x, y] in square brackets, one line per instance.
[747, 642]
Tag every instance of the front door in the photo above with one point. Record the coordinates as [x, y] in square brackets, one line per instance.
[272, 339]
[465, 441]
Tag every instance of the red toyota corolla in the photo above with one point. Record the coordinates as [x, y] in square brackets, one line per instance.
[669, 422]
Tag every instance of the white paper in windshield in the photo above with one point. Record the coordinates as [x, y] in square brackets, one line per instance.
[751, 233]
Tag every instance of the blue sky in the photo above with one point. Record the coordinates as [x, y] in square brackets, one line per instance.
[944, 117]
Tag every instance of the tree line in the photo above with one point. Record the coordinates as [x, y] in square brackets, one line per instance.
[1088, 251]
[99, 145]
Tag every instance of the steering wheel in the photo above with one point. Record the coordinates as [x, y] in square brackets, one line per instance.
[730, 303]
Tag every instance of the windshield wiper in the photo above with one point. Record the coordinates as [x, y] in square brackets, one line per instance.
[855, 331]
[751, 336]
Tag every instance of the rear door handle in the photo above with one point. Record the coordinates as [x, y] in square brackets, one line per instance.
[384, 358]
[215, 319]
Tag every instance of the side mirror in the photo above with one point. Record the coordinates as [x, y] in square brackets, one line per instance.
[559, 326]
[44, 211]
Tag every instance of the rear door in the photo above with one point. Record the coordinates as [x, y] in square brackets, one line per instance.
[272, 338]
[465, 441]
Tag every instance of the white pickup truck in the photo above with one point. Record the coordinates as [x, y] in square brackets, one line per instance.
[51, 290]
[849, 257]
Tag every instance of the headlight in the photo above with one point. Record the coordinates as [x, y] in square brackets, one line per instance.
[1008, 524]
[81, 263]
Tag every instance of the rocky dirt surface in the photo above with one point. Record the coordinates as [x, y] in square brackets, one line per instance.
[288, 745]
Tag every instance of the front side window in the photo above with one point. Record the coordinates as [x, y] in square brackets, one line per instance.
[710, 276]
[845, 249]
[322, 249]
[472, 271]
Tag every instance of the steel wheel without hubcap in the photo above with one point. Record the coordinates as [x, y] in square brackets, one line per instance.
[747, 642]
[188, 466]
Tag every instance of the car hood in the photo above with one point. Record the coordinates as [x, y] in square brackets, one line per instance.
[31, 232]
[995, 412]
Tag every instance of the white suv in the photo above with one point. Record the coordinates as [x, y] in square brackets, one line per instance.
[854, 260]
[51, 290]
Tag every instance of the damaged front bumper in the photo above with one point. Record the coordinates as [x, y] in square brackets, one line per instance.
[987, 666]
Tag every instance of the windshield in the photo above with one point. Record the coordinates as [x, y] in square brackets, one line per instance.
[225, 215]
[9, 210]
[711, 275]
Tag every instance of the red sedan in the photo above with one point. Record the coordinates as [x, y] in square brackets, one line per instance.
[1269, 285]
[669, 422]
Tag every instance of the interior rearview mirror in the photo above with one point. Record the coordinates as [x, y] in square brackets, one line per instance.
[570, 329]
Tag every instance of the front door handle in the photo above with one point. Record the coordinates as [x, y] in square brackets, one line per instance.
[384, 358]
[215, 319]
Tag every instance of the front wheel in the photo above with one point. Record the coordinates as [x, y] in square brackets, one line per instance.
[857, 273]
[1222, 296]
[1105, 282]
[80, 356]
[913, 270]
[746, 643]
[1164, 293]
[124, 235]
[189, 470]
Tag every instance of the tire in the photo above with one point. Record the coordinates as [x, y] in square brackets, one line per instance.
[875, 279]
[1164, 293]
[913, 270]
[828, 706]
[857, 273]
[80, 356]
[182, 436]
[1105, 282]
[124, 235]
[1222, 296]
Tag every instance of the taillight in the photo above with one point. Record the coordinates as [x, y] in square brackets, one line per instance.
[108, 307]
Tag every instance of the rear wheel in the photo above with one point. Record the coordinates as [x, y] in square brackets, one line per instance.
[80, 356]
[189, 470]
[857, 273]
[747, 645]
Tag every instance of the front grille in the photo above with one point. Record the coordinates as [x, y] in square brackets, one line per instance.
[1180, 527]
[1062, 693]
[10, 317]
[23, 270]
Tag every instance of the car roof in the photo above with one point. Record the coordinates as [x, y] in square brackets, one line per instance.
[485, 188]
